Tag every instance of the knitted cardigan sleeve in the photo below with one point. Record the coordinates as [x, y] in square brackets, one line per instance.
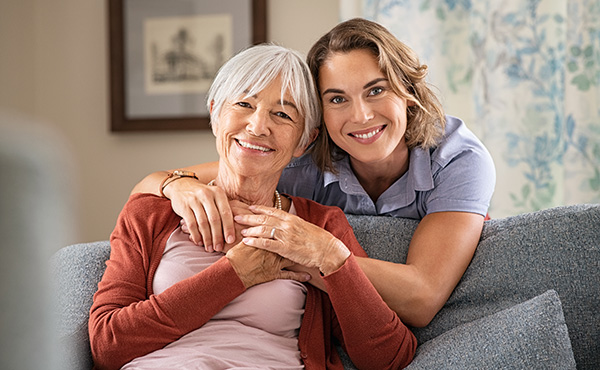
[126, 319]
[371, 333]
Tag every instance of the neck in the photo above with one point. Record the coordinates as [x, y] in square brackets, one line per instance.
[377, 177]
[259, 190]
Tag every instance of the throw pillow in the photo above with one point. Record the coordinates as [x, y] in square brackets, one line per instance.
[530, 335]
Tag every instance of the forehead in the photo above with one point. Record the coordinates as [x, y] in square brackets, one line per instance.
[360, 56]
[348, 67]
[274, 92]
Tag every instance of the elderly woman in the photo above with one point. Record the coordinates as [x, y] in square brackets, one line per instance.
[165, 303]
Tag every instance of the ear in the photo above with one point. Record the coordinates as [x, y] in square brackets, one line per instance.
[313, 135]
[301, 149]
[212, 125]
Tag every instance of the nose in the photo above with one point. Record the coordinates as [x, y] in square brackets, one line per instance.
[361, 112]
[258, 123]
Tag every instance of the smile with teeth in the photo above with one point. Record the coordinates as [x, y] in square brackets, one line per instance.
[368, 134]
[252, 146]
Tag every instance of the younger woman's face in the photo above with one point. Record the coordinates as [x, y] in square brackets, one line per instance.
[363, 115]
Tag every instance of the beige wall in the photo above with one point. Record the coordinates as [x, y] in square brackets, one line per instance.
[54, 70]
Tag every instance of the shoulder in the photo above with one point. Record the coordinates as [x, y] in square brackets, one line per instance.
[463, 172]
[146, 203]
[301, 177]
[146, 211]
[304, 161]
[460, 143]
[304, 164]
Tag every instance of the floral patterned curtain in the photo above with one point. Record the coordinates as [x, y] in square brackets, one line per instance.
[525, 77]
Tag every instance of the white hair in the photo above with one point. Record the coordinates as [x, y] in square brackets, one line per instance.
[253, 69]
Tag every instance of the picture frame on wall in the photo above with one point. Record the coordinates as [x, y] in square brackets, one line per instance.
[165, 54]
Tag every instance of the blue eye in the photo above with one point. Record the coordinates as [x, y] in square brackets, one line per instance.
[283, 115]
[376, 91]
[337, 100]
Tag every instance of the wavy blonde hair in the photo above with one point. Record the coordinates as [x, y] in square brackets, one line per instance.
[401, 66]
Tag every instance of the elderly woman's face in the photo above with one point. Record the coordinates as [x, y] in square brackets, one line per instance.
[259, 135]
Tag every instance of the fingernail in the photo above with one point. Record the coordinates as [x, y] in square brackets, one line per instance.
[230, 239]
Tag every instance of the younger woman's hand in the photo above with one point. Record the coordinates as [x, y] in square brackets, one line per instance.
[205, 211]
[238, 208]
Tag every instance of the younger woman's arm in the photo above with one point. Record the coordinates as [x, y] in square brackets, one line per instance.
[205, 209]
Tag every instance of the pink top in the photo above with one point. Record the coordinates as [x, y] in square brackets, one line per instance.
[259, 327]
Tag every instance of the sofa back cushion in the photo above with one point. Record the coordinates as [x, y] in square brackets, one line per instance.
[518, 258]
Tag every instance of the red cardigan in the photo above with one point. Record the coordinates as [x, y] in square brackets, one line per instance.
[128, 321]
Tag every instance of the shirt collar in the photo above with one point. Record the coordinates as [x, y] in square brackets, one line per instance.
[420, 174]
[420, 169]
[346, 178]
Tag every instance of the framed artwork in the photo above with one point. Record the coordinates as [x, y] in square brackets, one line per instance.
[165, 54]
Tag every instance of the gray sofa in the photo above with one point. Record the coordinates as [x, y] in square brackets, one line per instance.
[530, 298]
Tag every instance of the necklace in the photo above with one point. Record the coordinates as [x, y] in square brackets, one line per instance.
[277, 199]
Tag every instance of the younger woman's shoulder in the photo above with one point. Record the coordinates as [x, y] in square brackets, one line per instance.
[301, 177]
[458, 140]
[305, 161]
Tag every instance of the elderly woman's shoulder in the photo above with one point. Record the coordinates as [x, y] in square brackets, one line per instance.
[145, 204]
[147, 214]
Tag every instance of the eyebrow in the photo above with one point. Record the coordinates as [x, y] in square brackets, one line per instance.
[374, 82]
[289, 103]
[366, 86]
[280, 102]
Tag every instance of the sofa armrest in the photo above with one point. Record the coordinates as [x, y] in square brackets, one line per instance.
[76, 271]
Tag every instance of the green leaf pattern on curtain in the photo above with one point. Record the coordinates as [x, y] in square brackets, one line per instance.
[525, 77]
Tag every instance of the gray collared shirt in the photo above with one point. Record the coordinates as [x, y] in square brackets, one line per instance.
[457, 175]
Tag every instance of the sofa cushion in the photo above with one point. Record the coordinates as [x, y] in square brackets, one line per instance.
[517, 258]
[530, 335]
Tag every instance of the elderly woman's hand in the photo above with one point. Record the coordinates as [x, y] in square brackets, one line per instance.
[256, 266]
[205, 210]
[293, 238]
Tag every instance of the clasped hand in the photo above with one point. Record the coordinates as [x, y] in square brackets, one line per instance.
[208, 214]
[293, 238]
